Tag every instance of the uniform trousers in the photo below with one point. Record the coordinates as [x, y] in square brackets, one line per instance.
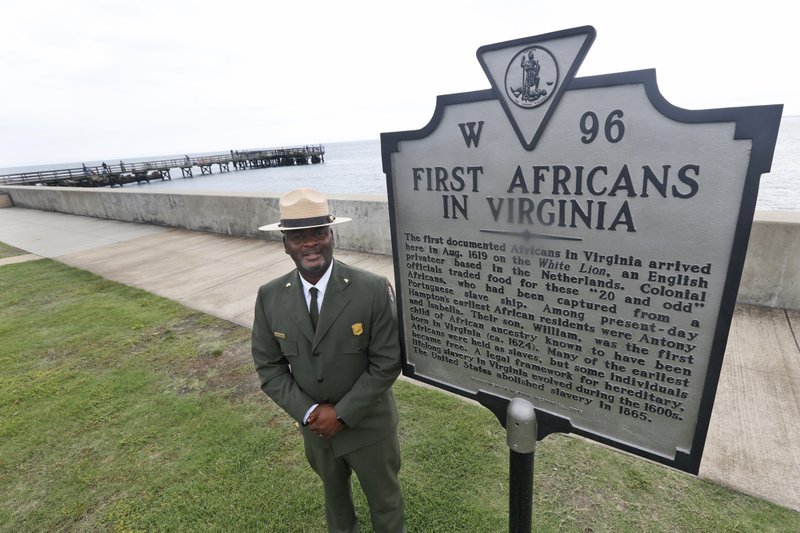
[376, 466]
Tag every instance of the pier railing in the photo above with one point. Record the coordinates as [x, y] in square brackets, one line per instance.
[121, 173]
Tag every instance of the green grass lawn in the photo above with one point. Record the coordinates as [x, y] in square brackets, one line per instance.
[123, 411]
[9, 251]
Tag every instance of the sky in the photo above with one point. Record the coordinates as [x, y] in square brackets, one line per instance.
[102, 79]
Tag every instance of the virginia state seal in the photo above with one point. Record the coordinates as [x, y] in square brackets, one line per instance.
[531, 77]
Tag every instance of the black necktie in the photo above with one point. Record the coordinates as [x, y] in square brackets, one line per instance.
[314, 310]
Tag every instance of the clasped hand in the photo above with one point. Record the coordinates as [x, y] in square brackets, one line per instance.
[324, 422]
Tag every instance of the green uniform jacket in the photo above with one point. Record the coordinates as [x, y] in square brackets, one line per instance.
[351, 361]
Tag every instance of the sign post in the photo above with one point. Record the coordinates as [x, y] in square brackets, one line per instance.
[576, 243]
[521, 440]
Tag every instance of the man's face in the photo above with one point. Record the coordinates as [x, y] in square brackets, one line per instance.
[311, 249]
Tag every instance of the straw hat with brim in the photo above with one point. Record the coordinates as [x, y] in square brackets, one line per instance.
[303, 209]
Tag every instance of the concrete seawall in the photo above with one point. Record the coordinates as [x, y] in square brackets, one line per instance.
[771, 276]
[226, 213]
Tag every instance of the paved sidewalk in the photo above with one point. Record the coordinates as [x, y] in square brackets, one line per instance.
[754, 439]
[24, 258]
[212, 273]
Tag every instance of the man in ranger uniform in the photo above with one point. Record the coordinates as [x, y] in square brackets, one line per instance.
[326, 348]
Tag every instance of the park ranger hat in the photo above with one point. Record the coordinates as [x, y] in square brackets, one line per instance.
[302, 209]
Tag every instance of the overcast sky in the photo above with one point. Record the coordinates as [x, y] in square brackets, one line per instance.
[85, 80]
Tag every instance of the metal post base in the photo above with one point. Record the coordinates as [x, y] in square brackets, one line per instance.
[521, 439]
[520, 492]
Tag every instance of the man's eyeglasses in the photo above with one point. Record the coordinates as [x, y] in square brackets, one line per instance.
[300, 236]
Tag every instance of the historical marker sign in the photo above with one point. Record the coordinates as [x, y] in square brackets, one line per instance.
[576, 242]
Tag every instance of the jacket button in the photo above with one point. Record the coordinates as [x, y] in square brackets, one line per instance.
[320, 380]
[315, 353]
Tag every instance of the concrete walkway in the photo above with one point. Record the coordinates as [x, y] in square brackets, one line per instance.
[754, 439]
[19, 259]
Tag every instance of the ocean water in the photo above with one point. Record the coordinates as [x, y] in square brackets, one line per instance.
[355, 168]
[780, 189]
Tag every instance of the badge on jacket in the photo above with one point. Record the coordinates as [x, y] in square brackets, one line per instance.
[358, 328]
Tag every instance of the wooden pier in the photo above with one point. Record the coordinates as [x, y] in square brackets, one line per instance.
[121, 173]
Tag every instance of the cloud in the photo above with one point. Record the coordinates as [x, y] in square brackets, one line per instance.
[91, 79]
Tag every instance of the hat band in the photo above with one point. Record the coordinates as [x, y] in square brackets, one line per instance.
[303, 222]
